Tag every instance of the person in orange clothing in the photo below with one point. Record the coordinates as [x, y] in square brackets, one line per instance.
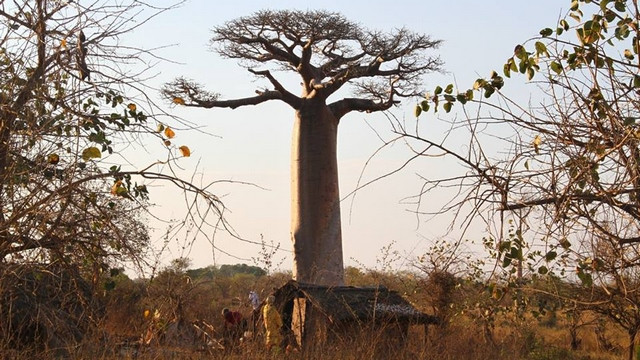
[272, 325]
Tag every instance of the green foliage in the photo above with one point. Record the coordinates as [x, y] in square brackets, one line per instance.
[609, 24]
[231, 270]
[211, 272]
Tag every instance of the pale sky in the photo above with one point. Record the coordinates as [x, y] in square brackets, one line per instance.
[252, 144]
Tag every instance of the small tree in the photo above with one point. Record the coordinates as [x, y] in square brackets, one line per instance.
[328, 52]
[572, 170]
[67, 209]
[63, 115]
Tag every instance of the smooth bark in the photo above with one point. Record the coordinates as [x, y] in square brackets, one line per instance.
[315, 198]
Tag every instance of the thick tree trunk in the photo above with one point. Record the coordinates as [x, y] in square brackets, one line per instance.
[315, 199]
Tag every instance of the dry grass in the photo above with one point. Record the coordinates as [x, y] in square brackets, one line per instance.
[460, 340]
[117, 335]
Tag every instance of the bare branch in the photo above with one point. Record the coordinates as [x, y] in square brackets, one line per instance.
[344, 106]
[287, 97]
[187, 93]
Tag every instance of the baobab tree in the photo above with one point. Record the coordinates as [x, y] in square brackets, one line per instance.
[328, 52]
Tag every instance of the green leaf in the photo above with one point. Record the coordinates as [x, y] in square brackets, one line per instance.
[122, 191]
[581, 36]
[541, 48]
[564, 24]
[574, 5]
[551, 255]
[447, 106]
[469, 94]
[620, 5]
[588, 25]
[504, 246]
[585, 278]
[636, 81]
[609, 15]
[462, 98]
[438, 90]
[506, 69]
[449, 89]
[515, 253]
[530, 73]
[526, 164]
[520, 52]
[424, 104]
[488, 92]
[497, 82]
[523, 66]
[542, 270]
[603, 4]
[575, 16]
[556, 67]
[546, 32]
[91, 153]
[479, 83]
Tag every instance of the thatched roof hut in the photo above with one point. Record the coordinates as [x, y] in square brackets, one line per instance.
[344, 311]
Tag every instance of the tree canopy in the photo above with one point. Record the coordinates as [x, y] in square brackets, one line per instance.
[327, 51]
[67, 110]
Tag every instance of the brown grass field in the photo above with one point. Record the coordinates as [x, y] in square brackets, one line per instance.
[125, 330]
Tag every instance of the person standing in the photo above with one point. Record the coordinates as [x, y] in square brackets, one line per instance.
[272, 325]
[254, 300]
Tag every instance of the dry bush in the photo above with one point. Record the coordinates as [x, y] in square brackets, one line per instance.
[124, 308]
[44, 308]
[440, 289]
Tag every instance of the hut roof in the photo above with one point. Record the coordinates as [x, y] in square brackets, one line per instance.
[347, 303]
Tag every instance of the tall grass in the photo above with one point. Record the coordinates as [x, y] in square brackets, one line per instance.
[117, 334]
[457, 340]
